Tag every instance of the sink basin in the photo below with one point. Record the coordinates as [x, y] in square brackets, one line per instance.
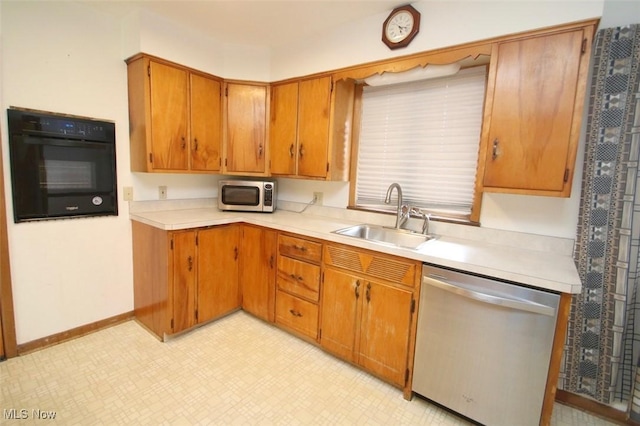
[390, 236]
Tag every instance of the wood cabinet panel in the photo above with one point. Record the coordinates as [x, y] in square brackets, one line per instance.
[169, 106]
[246, 128]
[535, 114]
[313, 127]
[297, 314]
[218, 273]
[298, 278]
[206, 123]
[258, 271]
[299, 248]
[184, 280]
[340, 312]
[384, 339]
[283, 128]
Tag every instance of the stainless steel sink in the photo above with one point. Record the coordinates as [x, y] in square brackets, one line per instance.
[390, 236]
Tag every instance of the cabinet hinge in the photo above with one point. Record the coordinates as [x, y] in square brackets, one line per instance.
[225, 162]
[331, 87]
[196, 315]
[226, 91]
[151, 157]
[584, 46]
[327, 166]
[220, 162]
[196, 240]
[319, 334]
[413, 305]
[406, 377]
[171, 323]
[149, 70]
[172, 244]
[566, 175]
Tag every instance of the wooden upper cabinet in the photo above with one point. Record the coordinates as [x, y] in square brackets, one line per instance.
[169, 107]
[245, 127]
[283, 128]
[175, 117]
[534, 111]
[206, 123]
[309, 122]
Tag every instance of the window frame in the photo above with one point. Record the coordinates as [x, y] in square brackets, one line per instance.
[472, 219]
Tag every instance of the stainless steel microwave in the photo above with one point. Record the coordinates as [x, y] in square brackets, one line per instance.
[247, 195]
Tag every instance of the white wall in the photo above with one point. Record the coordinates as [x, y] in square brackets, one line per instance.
[66, 273]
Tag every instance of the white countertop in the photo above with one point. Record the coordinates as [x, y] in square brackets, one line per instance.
[544, 269]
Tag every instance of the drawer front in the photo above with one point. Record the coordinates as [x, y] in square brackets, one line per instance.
[299, 278]
[299, 248]
[379, 266]
[297, 314]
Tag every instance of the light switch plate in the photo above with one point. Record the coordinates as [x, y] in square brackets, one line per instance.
[127, 193]
[162, 192]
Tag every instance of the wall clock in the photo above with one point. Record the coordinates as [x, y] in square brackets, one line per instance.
[400, 27]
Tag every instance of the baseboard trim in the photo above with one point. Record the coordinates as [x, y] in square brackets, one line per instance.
[74, 333]
[593, 407]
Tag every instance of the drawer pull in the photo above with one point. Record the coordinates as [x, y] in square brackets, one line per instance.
[295, 313]
[301, 248]
[297, 278]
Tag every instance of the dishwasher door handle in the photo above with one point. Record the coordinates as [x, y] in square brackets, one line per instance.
[520, 305]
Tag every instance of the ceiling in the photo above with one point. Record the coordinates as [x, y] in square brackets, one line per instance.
[263, 23]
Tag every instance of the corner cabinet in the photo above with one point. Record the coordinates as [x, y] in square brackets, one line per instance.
[258, 271]
[175, 117]
[374, 296]
[184, 278]
[533, 114]
[245, 130]
[310, 128]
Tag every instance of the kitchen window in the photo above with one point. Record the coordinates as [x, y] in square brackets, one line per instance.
[424, 135]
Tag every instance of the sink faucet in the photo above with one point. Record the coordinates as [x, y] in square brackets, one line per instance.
[401, 215]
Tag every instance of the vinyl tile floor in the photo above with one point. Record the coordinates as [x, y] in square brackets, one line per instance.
[235, 371]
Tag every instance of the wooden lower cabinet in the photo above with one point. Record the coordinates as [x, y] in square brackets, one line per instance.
[298, 284]
[258, 271]
[377, 318]
[184, 278]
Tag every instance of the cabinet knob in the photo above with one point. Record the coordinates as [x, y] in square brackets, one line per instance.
[494, 153]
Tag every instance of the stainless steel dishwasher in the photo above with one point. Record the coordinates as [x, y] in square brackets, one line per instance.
[483, 346]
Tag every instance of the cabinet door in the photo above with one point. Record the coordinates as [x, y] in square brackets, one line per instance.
[283, 128]
[218, 285]
[341, 294]
[184, 280]
[532, 135]
[169, 118]
[385, 329]
[258, 271]
[246, 128]
[313, 126]
[206, 123]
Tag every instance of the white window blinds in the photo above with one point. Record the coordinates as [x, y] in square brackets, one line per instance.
[425, 136]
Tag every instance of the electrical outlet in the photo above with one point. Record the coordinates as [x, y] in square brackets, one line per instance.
[162, 192]
[318, 198]
[127, 193]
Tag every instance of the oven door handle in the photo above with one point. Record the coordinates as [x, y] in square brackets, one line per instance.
[517, 304]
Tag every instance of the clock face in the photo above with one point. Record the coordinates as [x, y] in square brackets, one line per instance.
[399, 26]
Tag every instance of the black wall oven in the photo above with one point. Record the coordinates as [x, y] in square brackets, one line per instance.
[61, 166]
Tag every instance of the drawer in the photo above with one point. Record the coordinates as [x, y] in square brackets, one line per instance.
[299, 248]
[298, 278]
[391, 268]
[297, 314]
